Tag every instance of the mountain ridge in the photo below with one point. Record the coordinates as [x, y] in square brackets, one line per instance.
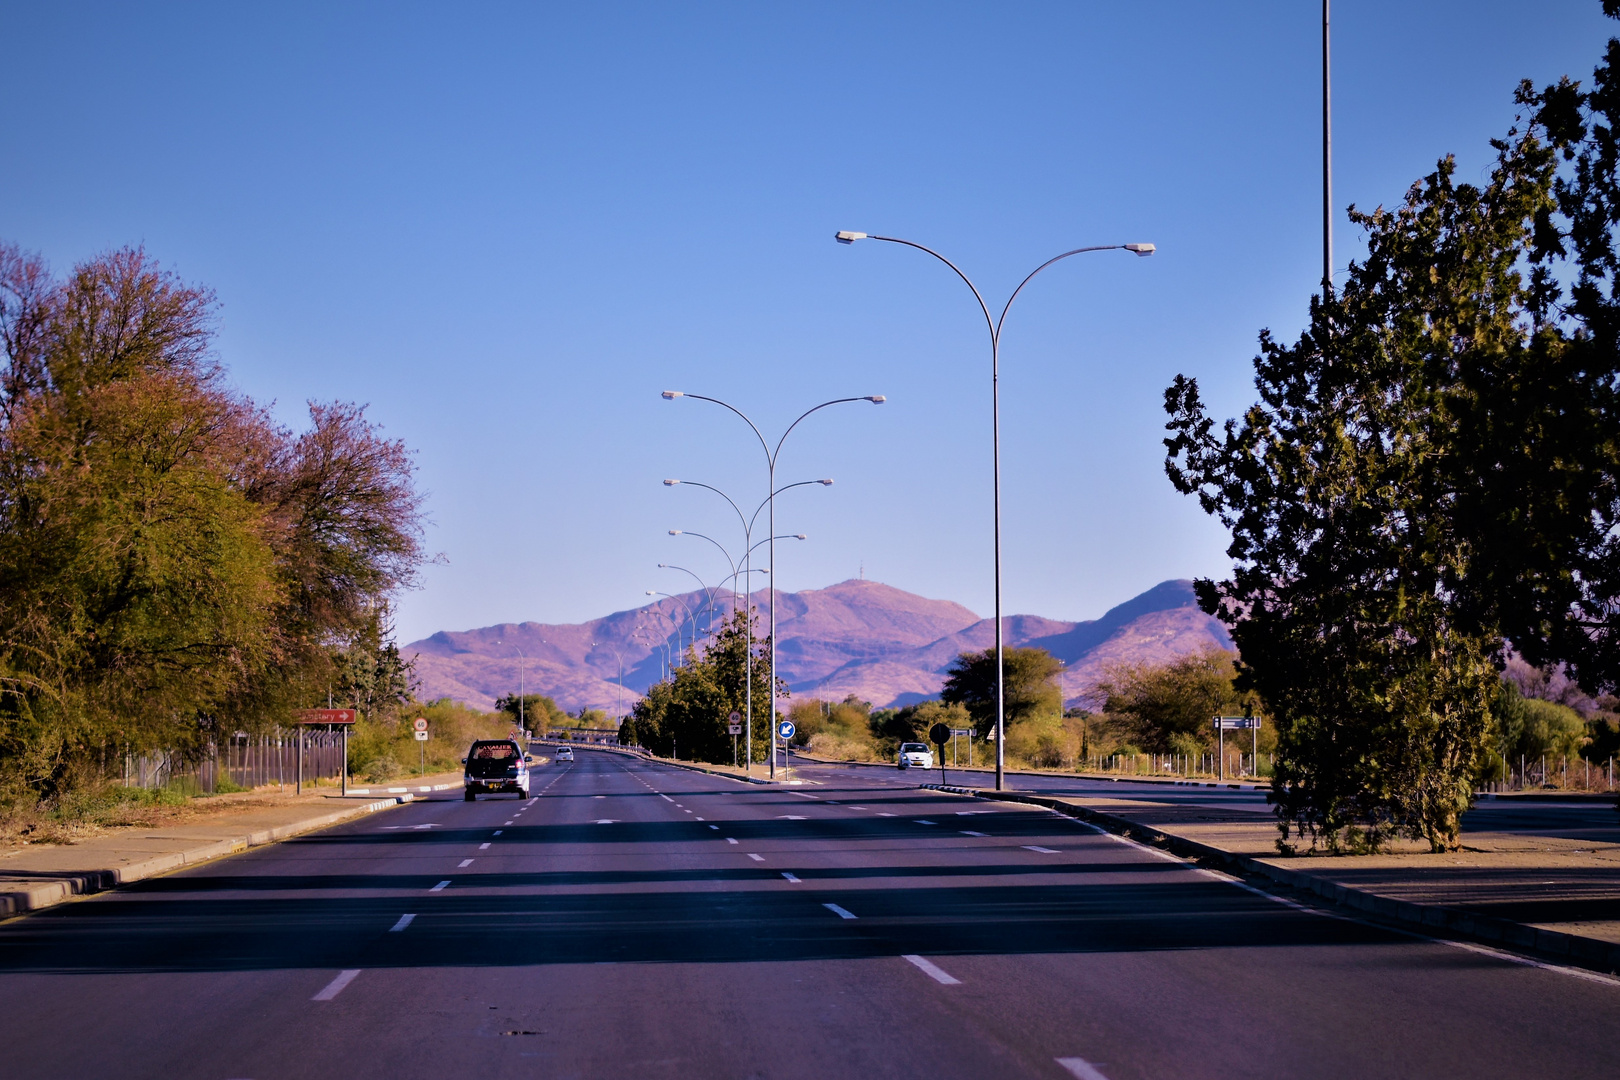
[877, 642]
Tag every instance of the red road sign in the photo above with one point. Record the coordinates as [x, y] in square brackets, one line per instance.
[419, 724]
[326, 716]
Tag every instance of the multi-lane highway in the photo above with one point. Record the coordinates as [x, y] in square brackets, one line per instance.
[635, 920]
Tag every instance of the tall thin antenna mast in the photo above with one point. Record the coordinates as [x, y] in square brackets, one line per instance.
[1327, 158]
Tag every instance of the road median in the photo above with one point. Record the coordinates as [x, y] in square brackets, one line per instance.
[1552, 897]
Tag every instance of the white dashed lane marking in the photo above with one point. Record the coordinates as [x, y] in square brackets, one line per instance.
[1081, 1068]
[790, 877]
[932, 970]
[404, 921]
[842, 913]
[335, 987]
[756, 858]
[730, 840]
[440, 887]
[483, 847]
[463, 864]
[970, 832]
[1042, 850]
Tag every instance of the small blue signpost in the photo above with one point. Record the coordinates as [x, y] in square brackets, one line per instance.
[785, 730]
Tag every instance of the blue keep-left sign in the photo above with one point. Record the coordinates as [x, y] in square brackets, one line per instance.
[786, 729]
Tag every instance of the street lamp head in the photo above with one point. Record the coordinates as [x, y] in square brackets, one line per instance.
[1141, 249]
[652, 592]
[825, 483]
[849, 237]
[675, 532]
[877, 399]
[671, 395]
[800, 536]
[671, 483]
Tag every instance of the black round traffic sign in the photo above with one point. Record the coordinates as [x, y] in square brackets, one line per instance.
[939, 734]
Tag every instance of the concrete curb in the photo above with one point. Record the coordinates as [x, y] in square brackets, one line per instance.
[421, 789]
[66, 885]
[1553, 945]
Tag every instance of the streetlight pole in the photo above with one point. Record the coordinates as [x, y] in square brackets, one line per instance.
[770, 488]
[679, 640]
[748, 601]
[708, 608]
[994, 325]
[615, 652]
[523, 688]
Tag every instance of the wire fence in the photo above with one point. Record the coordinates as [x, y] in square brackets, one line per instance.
[1528, 774]
[239, 762]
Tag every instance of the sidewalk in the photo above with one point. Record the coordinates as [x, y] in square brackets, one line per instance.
[1555, 897]
[39, 875]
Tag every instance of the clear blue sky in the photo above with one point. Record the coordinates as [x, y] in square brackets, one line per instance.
[508, 227]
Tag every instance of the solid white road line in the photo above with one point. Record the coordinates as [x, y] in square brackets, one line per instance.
[790, 877]
[1042, 850]
[842, 913]
[335, 987]
[483, 847]
[1081, 1068]
[440, 887]
[932, 970]
[970, 832]
[463, 864]
[756, 858]
[404, 921]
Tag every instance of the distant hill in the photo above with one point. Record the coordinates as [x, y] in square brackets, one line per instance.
[882, 644]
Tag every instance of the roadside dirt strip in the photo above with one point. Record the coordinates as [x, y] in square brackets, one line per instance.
[1498, 892]
[39, 876]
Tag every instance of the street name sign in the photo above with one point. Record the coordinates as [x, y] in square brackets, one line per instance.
[326, 716]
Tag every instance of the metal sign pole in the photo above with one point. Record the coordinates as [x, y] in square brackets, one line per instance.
[299, 790]
[345, 780]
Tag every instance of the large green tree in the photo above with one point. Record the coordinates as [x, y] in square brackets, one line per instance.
[1393, 471]
[686, 714]
[171, 561]
[1030, 680]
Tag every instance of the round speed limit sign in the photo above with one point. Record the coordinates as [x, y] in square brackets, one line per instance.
[419, 724]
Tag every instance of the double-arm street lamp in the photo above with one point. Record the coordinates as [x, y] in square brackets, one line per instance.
[748, 523]
[994, 325]
[770, 498]
[748, 613]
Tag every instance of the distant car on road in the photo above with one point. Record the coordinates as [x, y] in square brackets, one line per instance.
[915, 755]
[494, 766]
[564, 753]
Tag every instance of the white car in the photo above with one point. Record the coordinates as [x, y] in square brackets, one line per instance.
[565, 753]
[915, 755]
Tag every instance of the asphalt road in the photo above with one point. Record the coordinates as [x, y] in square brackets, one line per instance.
[637, 920]
[1587, 819]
